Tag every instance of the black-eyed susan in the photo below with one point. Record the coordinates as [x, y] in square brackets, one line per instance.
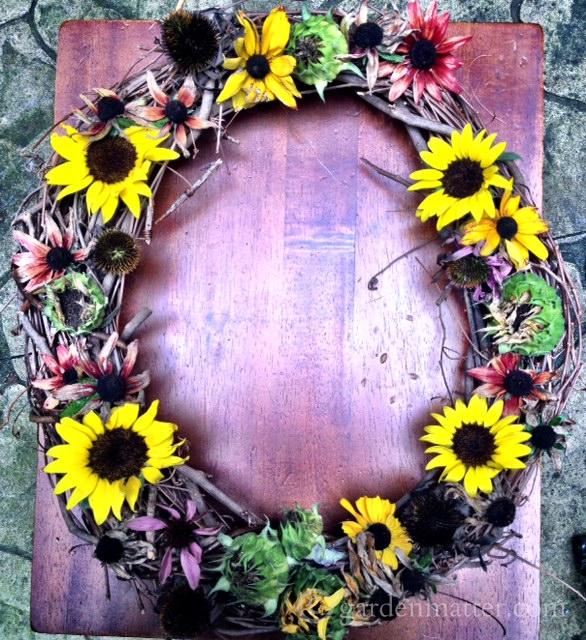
[460, 174]
[513, 228]
[113, 168]
[474, 443]
[376, 516]
[106, 463]
[261, 70]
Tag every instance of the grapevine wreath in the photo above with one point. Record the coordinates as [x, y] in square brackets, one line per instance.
[118, 469]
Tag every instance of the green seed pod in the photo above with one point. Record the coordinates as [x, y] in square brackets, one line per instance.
[75, 304]
[254, 569]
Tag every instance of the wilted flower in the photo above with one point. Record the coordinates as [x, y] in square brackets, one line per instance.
[75, 304]
[312, 607]
[529, 320]
[254, 569]
[65, 369]
[105, 111]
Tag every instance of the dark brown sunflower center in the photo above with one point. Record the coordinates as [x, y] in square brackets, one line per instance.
[59, 258]
[111, 388]
[381, 534]
[111, 159]
[519, 383]
[469, 271]
[473, 444]
[258, 67]
[180, 533]
[412, 581]
[368, 35]
[176, 111]
[308, 50]
[109, 550]
[543, 437]
[507, 227]
[118, 454]
[70, 376]
[463, 178]
[72, 303]
[109, 108]
[423, 54]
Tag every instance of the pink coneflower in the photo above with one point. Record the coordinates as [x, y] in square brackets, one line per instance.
[43, 263]
[180, 533]
[65, 368]
[503, 377]
[429, 64]
[105, 110]
[106, 384]
[176, 110]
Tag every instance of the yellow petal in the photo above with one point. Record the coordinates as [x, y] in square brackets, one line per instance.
[152, 475]
[131, 490]
[124, 416]
[83, 490]
[251, 44]
[275, 32]
[100, 501]
[234, 83]
[233, 63]
[274, 85]
[66, 173]
[283, 65]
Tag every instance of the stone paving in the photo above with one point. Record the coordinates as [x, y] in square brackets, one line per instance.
[28, 41]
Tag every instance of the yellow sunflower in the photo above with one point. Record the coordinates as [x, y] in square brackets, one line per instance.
[262, 72]
[475, 443]
[515, 229]
[460, 175]
[110, 168]
[376, 516]
[105, 463]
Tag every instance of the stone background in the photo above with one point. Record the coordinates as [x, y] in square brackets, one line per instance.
[28, 42]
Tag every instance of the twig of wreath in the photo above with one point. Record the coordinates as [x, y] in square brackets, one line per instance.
[119, 472]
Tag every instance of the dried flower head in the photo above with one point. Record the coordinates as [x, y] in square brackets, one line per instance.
[75, 304]
[116, 252]
[501, 512]
[191, 40]
[529, 320]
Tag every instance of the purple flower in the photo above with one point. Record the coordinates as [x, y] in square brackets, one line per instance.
[179, 533]
[496, 269]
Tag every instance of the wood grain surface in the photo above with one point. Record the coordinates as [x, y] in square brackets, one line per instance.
[291, 379]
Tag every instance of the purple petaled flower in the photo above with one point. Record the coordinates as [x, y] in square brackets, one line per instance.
[179, 533]
[467, 269]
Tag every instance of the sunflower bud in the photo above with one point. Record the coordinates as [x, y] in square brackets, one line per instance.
[254, 569]
[301, 531]
[316, 43]
[75, 304]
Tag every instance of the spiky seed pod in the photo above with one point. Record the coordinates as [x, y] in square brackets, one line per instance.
[468, 272]
[529, 319]
[501, 512]
[183, 613]
[254, 569]
[301, 531]
[432, 516]
[191, 40]
[116, 252]
[316, 42]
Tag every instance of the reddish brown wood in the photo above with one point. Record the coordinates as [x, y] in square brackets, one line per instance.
[291, 379]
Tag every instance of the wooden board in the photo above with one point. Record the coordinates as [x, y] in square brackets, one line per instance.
[290, 378]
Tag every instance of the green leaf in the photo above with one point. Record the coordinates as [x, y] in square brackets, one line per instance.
[509, 156]
[391, 57]
[325, 556]
[73, 408]
[124, 123]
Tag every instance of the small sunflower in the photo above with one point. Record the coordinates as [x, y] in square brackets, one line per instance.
[377, 517]
[106, 463]
[475, 443]
[514, 229]
[261, 71]
[111, 168]
[116, 252]
[461, 174]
